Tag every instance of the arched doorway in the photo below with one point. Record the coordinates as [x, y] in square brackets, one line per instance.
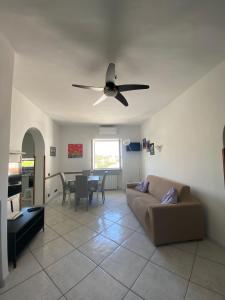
[33, 162]
[224, 153]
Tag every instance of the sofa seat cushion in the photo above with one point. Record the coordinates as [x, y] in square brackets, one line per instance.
[131, 195]
[140, 207]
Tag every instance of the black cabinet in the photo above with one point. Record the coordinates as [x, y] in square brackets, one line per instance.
[22, 230]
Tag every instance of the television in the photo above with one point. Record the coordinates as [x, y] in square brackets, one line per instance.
[135, 146]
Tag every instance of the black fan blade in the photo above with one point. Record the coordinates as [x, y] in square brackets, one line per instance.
[122, 99]
[93, 88]
[110, 73]
[132, 87]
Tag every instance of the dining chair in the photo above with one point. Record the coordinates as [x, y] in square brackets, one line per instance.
[92, 188]
[81, 190]
[68, 187]
[101, 187]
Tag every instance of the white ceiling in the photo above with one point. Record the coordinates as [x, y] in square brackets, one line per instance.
[166, 44]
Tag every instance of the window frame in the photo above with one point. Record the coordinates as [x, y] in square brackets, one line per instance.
[93, 154]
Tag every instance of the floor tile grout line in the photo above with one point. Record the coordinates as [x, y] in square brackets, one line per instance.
[141, 273]
[21, 282]
[43, 269]
[149, 260]
[208, 289]
[210, 260]
[170, 271]
[192, 267]
[118, 245]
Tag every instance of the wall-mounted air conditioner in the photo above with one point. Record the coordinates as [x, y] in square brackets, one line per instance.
[107, 130]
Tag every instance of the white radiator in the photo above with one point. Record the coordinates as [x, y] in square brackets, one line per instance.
[111, 182]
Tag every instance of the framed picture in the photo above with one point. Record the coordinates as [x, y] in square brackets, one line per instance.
[75, 150]
[144, 142]
[52, 151]
[148, 146]
[152, 149]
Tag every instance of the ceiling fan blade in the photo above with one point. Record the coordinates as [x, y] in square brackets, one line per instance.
[131, 87]
[93, 88]
[110, 73]
[101, 99]
[122, 99]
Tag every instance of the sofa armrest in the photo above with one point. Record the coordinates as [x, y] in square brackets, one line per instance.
[176, 222]
[132, 185]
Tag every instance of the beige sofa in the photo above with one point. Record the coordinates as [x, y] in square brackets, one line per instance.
[166, 223]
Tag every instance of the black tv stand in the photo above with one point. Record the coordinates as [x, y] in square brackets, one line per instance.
[22, 230]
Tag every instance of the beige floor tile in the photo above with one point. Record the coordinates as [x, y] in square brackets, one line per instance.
[129, 221]
[141, 230]
[124, 265]
[189, 247]
[43, 237]
[212, 251]
[113, 215]
[70, 270]
[86, 218]
[132, 296]
[52, 251]
[26, 267]
[173, 259]
[158, 283]
[195, 292]
[117, 233]
[99, 224]
[65, 226]
[80, 236]
[54, 219]
[99, 210]
[98, 248]
[97, 285]
[37, 287]
[209, 274]
[140, 244]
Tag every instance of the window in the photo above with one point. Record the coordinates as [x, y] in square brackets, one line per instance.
[106, 154]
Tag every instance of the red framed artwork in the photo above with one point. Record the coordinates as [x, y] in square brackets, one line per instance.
[75, 150]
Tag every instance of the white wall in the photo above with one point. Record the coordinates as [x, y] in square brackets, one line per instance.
[26, 115]
[6, 75]
[78, 134]
[191, 132]
[28, 146]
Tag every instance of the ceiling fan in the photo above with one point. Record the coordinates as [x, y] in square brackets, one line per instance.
[111, 89]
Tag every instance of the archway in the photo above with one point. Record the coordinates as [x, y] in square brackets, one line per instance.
[224, 153]
[34, 148]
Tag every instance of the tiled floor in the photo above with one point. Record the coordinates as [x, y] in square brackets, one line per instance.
[105, 254]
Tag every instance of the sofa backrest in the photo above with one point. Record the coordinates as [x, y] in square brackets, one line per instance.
[158, 186]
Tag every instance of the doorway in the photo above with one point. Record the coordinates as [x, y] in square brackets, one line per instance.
[33, 168]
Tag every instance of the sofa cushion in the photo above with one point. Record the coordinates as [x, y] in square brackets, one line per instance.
[170, 197]
[160, 186]
[142, 186]
[140, 206]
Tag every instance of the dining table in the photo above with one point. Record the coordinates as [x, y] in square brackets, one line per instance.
[93, 180]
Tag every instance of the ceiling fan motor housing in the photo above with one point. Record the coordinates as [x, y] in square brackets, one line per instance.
[110, 89]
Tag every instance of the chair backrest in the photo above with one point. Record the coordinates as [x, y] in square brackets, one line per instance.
[82, 186]
[86, 172]
[103, 181]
